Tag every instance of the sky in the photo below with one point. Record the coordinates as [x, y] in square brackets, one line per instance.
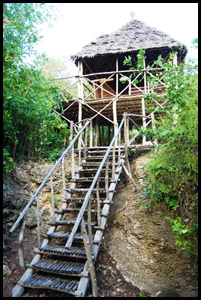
[78, 24]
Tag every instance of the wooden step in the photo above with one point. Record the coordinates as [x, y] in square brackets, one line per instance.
[66, 223]
[82, 191]
[54, 283]
[62, 251]
[61, 267]
[73, 210]
[86, 179]
[95, 164]
[81, 200]
[63, 235]
[93, 171]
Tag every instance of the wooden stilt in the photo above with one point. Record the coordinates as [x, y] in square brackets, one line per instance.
[52, 196]
[98, 201]
[89, 259]
[126, 144]
[143, 106]
[91, 134]
[20, 245]
[81, 96]
[115, 104]
[72, 150]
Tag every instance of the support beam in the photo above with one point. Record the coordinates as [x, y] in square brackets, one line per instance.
[143, 105]
[81, 96]
[115, 103]
[91, 134]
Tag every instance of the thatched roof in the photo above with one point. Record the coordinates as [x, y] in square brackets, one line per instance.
[131, 37]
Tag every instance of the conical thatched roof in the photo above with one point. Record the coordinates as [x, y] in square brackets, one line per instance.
[131, 37]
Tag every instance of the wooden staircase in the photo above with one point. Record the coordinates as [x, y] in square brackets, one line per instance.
[66, 269]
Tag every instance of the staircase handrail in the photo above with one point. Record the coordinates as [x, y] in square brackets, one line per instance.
[87, 197]
[23, 213]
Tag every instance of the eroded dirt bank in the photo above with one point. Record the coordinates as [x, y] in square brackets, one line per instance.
[142, 242]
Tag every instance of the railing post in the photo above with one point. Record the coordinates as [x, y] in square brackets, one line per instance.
[85, 142]
[113, 161]
[90, 227]
[119, 149]
[38, 221]
[81, 97]
[98, 200]
[89, 259]
[20, 245]
[143, 104]
[72, 150]
[106, 180]
[91, 134]
[64, 180]
[52, 194]
[126, 143]
[154, 127]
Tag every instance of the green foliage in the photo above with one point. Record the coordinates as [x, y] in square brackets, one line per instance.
[7, 162]
[173, 170]
[31, 128]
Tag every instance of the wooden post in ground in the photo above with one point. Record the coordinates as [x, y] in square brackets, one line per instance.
[85, 142]
[126, 144]
[98, 201]
[143, 105]
[115, 104]
[154, 127]
[20, 245]
[91, 134]
[89, 259]
[81, 96]
[72, 150]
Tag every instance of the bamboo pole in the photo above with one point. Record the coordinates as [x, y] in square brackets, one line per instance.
[85, 142]
[20, 244]
[98, 201]
[119, 149]
[143, 106]
[38, 222]
[90, 227]
[113, 161]
[64, 180]
[154, 128]
[81, 96]
[91, 134]
[106, 180]
[89, 259]
[126, 143]
[115, 103]
[131, 178]
[72, 151]
[52, 195]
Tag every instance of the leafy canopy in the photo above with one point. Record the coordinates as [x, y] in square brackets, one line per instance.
[31, 128]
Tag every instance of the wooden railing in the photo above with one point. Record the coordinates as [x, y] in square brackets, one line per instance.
[21, 219]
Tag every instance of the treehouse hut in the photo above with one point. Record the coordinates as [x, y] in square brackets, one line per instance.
[105, 88]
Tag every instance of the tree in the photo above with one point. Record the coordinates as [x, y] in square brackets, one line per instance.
[30, 126]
